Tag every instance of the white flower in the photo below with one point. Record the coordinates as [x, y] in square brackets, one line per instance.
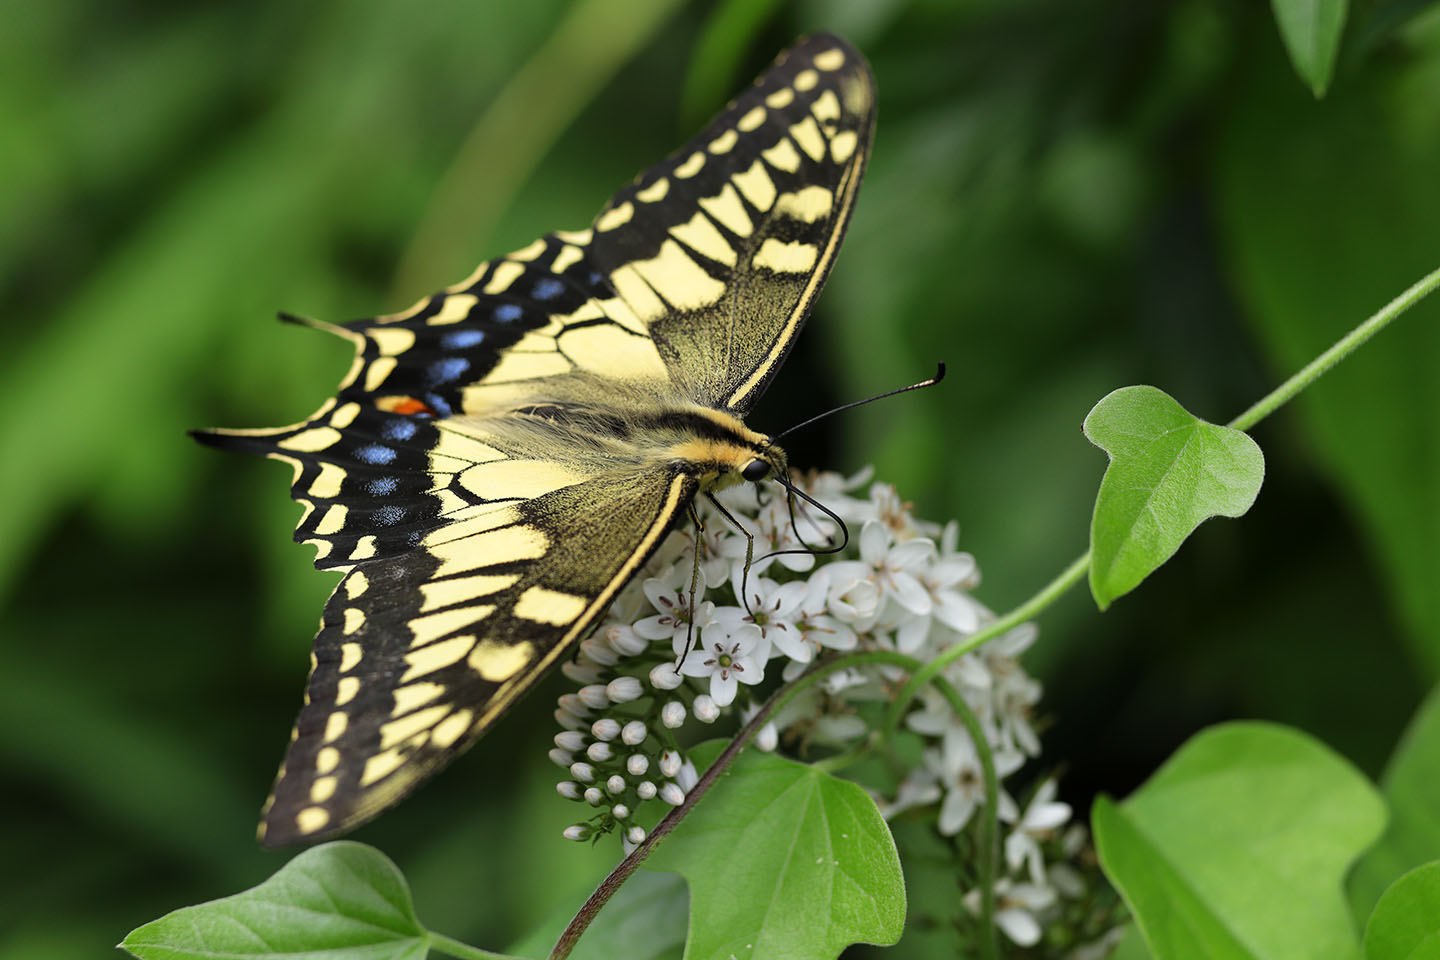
[1016, 906]
[671, 598]
[773, 609]
[918, 789]
[727, 663]
[956, 766]
[1042, 817]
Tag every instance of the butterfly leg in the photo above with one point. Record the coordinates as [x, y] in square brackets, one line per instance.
[749, 551]
[694, 586]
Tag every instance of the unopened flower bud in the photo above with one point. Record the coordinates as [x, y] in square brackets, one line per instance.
[568, 720]
[599, 751]
[768, 737]
[606, 728]
[620, 812]
[561, 758]
[664, 676]
[636, 764]
[626, 641]
[598, 650]
[583, 671]
[616, 784]
[635, 835]
[594, 697]
[634, 733]
[582, 772]
[705, 709]
[568, 789]
[672, 794]
[624, 689]
[672, 715]
[571, 740]
[572, 704]
[645, 790]
[670, 763]
[580, 831]
[687, 777]
[594, 796]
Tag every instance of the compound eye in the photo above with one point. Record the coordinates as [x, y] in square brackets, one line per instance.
[755, 471]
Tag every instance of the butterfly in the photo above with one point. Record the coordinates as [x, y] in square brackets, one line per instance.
[504, 456]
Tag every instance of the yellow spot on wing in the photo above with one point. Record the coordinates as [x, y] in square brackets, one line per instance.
[724, 142]
[566, 258]
[454, 309]
[612, 352]
[808, 204]
[345, 415]
[830, 59]
[655, 192]
[452, 728]
[807, 135]
[354, 619]
[691, 166]
[518, 479]
[391, 340]
[346, 689]
[700, 235]
[426, 630]
[334, 519]
[505, 274]
[577, 237]
[311, 819]
[528, 252]
[437, 656]
[327, 482]
[727, 208]
[782, 156]
[312, 440]
[527, 366]
[349, 656]
[445, 593]
[543, 605]
[826, 107]
[409, 697]
[323, 789]
[335, 726]
[752, 119]
[378, 370]
[398, 731]
[356, 584]
[637, 293]
[471, 521]
[842, 145]
[364, 549]
[756, 186]
[783, 257]
[615, 217]
[327, 759]
[498, 662]
[380, 766]
[780, 98]
[806, 80]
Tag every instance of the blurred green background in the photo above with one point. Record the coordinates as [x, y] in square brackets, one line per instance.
[1065, 196]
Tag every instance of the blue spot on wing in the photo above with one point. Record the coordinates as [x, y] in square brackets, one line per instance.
[547, 287]
[397, 430]
[450, 368]
[507, 313]
[388, 515]
[461, 339]
[438, 403]
[383, 486]
[375, 453]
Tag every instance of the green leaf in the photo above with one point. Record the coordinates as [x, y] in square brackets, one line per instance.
[1406, 922]
[1169, 471]
[645, 920]
[337, 901]
[784, 861]
[1237, 847]
[1311, 31]
[1413, 835]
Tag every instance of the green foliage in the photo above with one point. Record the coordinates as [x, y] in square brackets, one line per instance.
[784, 860]
[644, 921]
[337, 901]
[1311, 30]
[1406, 921]
[1412, 836]
[1237, 846]
[1169, 471]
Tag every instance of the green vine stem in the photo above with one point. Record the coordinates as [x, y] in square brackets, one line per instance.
[464, 951]
[1342, 348]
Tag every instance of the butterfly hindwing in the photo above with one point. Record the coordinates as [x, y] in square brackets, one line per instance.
[417, 652]
[721, 248]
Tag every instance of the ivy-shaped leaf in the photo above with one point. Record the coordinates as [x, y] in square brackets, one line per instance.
[1169, 471]
[1236, 848]
[1406, 921]
[645, 920]
[1311, 30]
[337, 901]
[784, 860]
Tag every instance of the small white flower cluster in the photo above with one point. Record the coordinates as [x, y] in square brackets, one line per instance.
[902, 585]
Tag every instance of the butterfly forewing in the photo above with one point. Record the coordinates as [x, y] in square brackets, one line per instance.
[482, 476]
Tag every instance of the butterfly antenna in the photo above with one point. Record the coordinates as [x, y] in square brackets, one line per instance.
[939, 375]
[833, 548]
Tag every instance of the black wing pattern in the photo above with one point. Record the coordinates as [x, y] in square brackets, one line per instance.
[477, 548]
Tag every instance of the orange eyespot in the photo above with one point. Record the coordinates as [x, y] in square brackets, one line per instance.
[409, 406]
